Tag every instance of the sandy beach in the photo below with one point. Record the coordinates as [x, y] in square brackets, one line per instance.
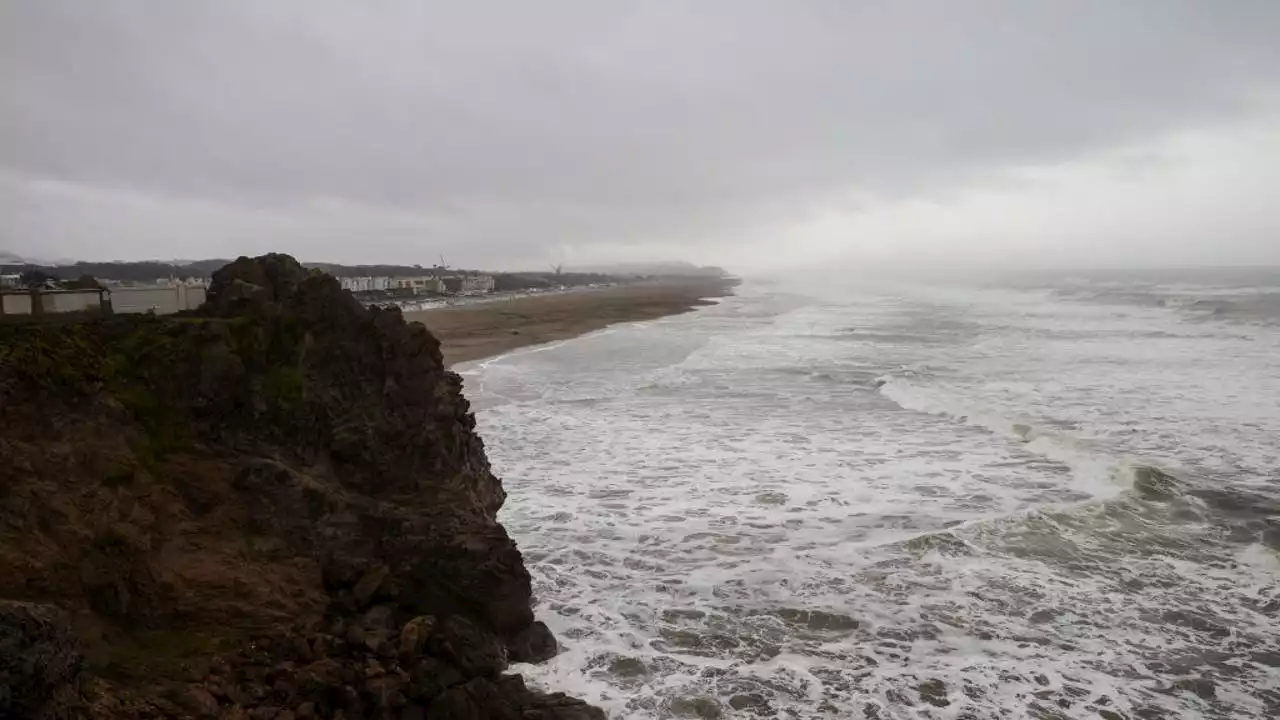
[472, 332]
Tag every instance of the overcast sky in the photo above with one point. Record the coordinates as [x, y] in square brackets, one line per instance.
[741, 132]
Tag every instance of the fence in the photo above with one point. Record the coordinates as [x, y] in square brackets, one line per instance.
[15, 304]
[50, 302]
[161, 300]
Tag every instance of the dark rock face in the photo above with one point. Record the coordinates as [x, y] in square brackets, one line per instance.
[40, 660]
[534, 644]
[275, 505]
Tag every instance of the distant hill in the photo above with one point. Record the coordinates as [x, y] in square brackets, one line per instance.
[149, 270]
[674, 268]
[145, 271]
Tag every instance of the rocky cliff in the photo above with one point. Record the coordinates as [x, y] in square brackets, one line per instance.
[276, 507]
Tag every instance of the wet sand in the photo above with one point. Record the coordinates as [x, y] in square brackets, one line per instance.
[472, 332]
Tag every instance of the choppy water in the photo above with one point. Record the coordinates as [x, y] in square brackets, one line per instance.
[908, 502]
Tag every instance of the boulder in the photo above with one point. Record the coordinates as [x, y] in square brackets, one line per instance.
[414, 635]
[534, 644]
[199, 702]
[468, 647]
[477, 699]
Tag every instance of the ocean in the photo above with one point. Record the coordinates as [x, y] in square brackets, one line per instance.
[1052, 497]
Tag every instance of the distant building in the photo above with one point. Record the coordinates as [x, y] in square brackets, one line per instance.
[477, 284]
[422, 284]
[469, 284]
[172, 281]
[355, 284]
[419, 285]
[10, 281]
[366, 284]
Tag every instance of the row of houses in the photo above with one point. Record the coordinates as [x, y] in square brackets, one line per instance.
[422, 285]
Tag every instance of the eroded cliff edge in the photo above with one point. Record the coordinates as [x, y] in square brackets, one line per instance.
[277, 507]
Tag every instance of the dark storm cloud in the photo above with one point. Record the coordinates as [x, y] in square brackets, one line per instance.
[529, 124]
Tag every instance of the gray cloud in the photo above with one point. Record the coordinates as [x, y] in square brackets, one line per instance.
[505, 131]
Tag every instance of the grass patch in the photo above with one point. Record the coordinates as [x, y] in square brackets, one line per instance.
[166, 426]
[285, 386]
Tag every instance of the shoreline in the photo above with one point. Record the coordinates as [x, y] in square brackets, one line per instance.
[482, 330]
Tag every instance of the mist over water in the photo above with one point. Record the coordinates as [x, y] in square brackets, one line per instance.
[1015, 499]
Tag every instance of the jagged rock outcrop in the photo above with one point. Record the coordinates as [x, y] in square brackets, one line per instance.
[274, 507]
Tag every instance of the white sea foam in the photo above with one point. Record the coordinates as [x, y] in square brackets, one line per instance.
[1097, 472]
[726, 509]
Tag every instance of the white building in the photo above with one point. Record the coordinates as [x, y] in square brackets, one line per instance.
[421, 284]
[365, 284]
[173, 281]
[477, 284]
